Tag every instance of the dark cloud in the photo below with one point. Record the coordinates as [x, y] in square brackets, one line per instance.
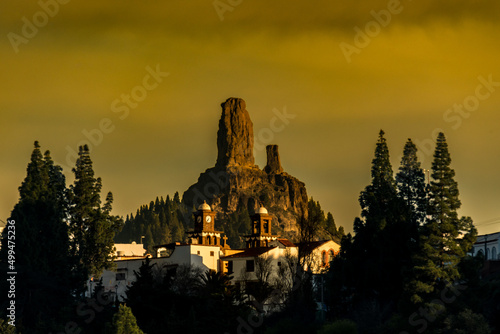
[201, 17]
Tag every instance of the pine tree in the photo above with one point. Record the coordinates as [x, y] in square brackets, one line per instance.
[43, 285]
[445, 238]
[411, 184]
[377, 199]
[374, 239]
[373, 262]
[332, 231]
[149, 241]
[310, 227]
[92, 226]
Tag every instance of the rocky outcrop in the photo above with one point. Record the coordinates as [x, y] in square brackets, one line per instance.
[235, 135]
[273, 160]
[236, 180]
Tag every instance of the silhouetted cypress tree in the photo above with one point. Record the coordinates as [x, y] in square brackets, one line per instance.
[92, 226]
[377, 199]
[368, 271]
[445, 238]
[411, 184]
[42, 263]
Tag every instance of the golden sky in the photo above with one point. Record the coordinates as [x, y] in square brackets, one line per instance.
[340, 69]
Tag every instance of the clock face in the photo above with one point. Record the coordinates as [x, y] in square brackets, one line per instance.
[199, 219]
[209, 219]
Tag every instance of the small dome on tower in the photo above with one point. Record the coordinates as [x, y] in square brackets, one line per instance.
[263, 210]
[204, 207]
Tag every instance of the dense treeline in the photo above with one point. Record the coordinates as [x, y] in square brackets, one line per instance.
[167, 220]
[407, 268]
[160, 222]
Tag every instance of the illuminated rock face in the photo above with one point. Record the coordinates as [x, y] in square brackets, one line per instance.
[235, 135]
[273, 160]
[236, 180]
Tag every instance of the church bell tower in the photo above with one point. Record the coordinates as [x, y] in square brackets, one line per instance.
[204, 232]
[261, 230]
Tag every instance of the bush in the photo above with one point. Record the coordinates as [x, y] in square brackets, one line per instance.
[467, 322]
[124, 322]
[339, 327]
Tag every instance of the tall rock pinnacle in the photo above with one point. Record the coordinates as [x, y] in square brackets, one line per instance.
[235, 135]
[236, 183]
[273, 160]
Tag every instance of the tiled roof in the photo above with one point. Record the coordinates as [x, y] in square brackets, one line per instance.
[249, 252]
[287, 243]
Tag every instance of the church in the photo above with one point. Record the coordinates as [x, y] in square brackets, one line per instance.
[207, 249]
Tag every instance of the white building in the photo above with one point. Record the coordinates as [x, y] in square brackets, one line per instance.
[199, 256]
[242, 265]
[129, 251]
[208, 250]
[488, 245]
[317, 255]
[203, 252]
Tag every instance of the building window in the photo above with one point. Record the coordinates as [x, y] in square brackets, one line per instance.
[487, 253]
[494, 253]
[198, 252]
[120, 276]
[212, 253]
[229, 267]
[250, 266]
[209, 240]
[279, 264]
[324, 259]
[331, 254]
